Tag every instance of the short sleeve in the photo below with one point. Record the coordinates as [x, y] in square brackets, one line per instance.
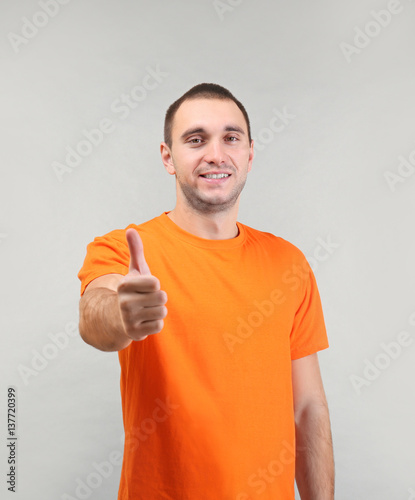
[105, 255]
[308, 334]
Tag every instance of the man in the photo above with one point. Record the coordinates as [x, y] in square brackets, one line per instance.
[222, 396]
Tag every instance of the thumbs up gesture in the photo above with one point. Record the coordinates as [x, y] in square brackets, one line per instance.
[140, 299]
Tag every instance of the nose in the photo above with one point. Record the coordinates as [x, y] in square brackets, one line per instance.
[214, 153]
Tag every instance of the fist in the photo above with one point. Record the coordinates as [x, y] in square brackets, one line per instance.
[140, 299]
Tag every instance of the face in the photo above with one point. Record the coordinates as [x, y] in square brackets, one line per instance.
[210, 154]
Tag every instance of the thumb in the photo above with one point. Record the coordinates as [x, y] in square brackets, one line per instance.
[135, 246]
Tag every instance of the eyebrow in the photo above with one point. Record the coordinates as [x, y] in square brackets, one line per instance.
[201, 130]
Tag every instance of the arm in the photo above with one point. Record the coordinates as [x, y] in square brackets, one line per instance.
[100, 323]
[115, 310]
[314, 448]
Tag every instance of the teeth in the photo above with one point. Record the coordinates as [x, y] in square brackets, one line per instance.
[215, 176]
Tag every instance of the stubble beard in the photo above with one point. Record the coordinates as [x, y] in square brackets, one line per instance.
[209, 204]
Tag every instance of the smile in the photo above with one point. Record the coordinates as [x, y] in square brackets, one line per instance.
[215, 176]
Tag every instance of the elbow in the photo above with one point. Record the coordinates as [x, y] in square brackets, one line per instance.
[314, 409]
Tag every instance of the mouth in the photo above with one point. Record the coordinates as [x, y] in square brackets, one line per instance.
[216, 176]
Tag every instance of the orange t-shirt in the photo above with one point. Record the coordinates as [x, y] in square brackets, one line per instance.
[207, 402]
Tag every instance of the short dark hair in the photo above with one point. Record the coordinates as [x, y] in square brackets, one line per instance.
[203, 91]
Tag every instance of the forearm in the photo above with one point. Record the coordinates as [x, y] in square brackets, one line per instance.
[314, 454]
[100, 323]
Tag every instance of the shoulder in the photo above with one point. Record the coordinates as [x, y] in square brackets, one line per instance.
[273, 243]
[118, 235]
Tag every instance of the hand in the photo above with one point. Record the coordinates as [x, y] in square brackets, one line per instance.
[139, 296]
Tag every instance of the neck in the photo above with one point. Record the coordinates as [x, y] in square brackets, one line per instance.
[215, 226]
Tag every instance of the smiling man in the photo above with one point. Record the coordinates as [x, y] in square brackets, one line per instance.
[222, 395]
[211, 160]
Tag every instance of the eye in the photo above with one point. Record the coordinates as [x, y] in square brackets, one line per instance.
[232, 138]
[195, 140]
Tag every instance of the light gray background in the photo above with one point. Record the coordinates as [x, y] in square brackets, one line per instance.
[321, 176]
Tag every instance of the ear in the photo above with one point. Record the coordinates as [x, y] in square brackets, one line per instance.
[167, 158]
[251, 156]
